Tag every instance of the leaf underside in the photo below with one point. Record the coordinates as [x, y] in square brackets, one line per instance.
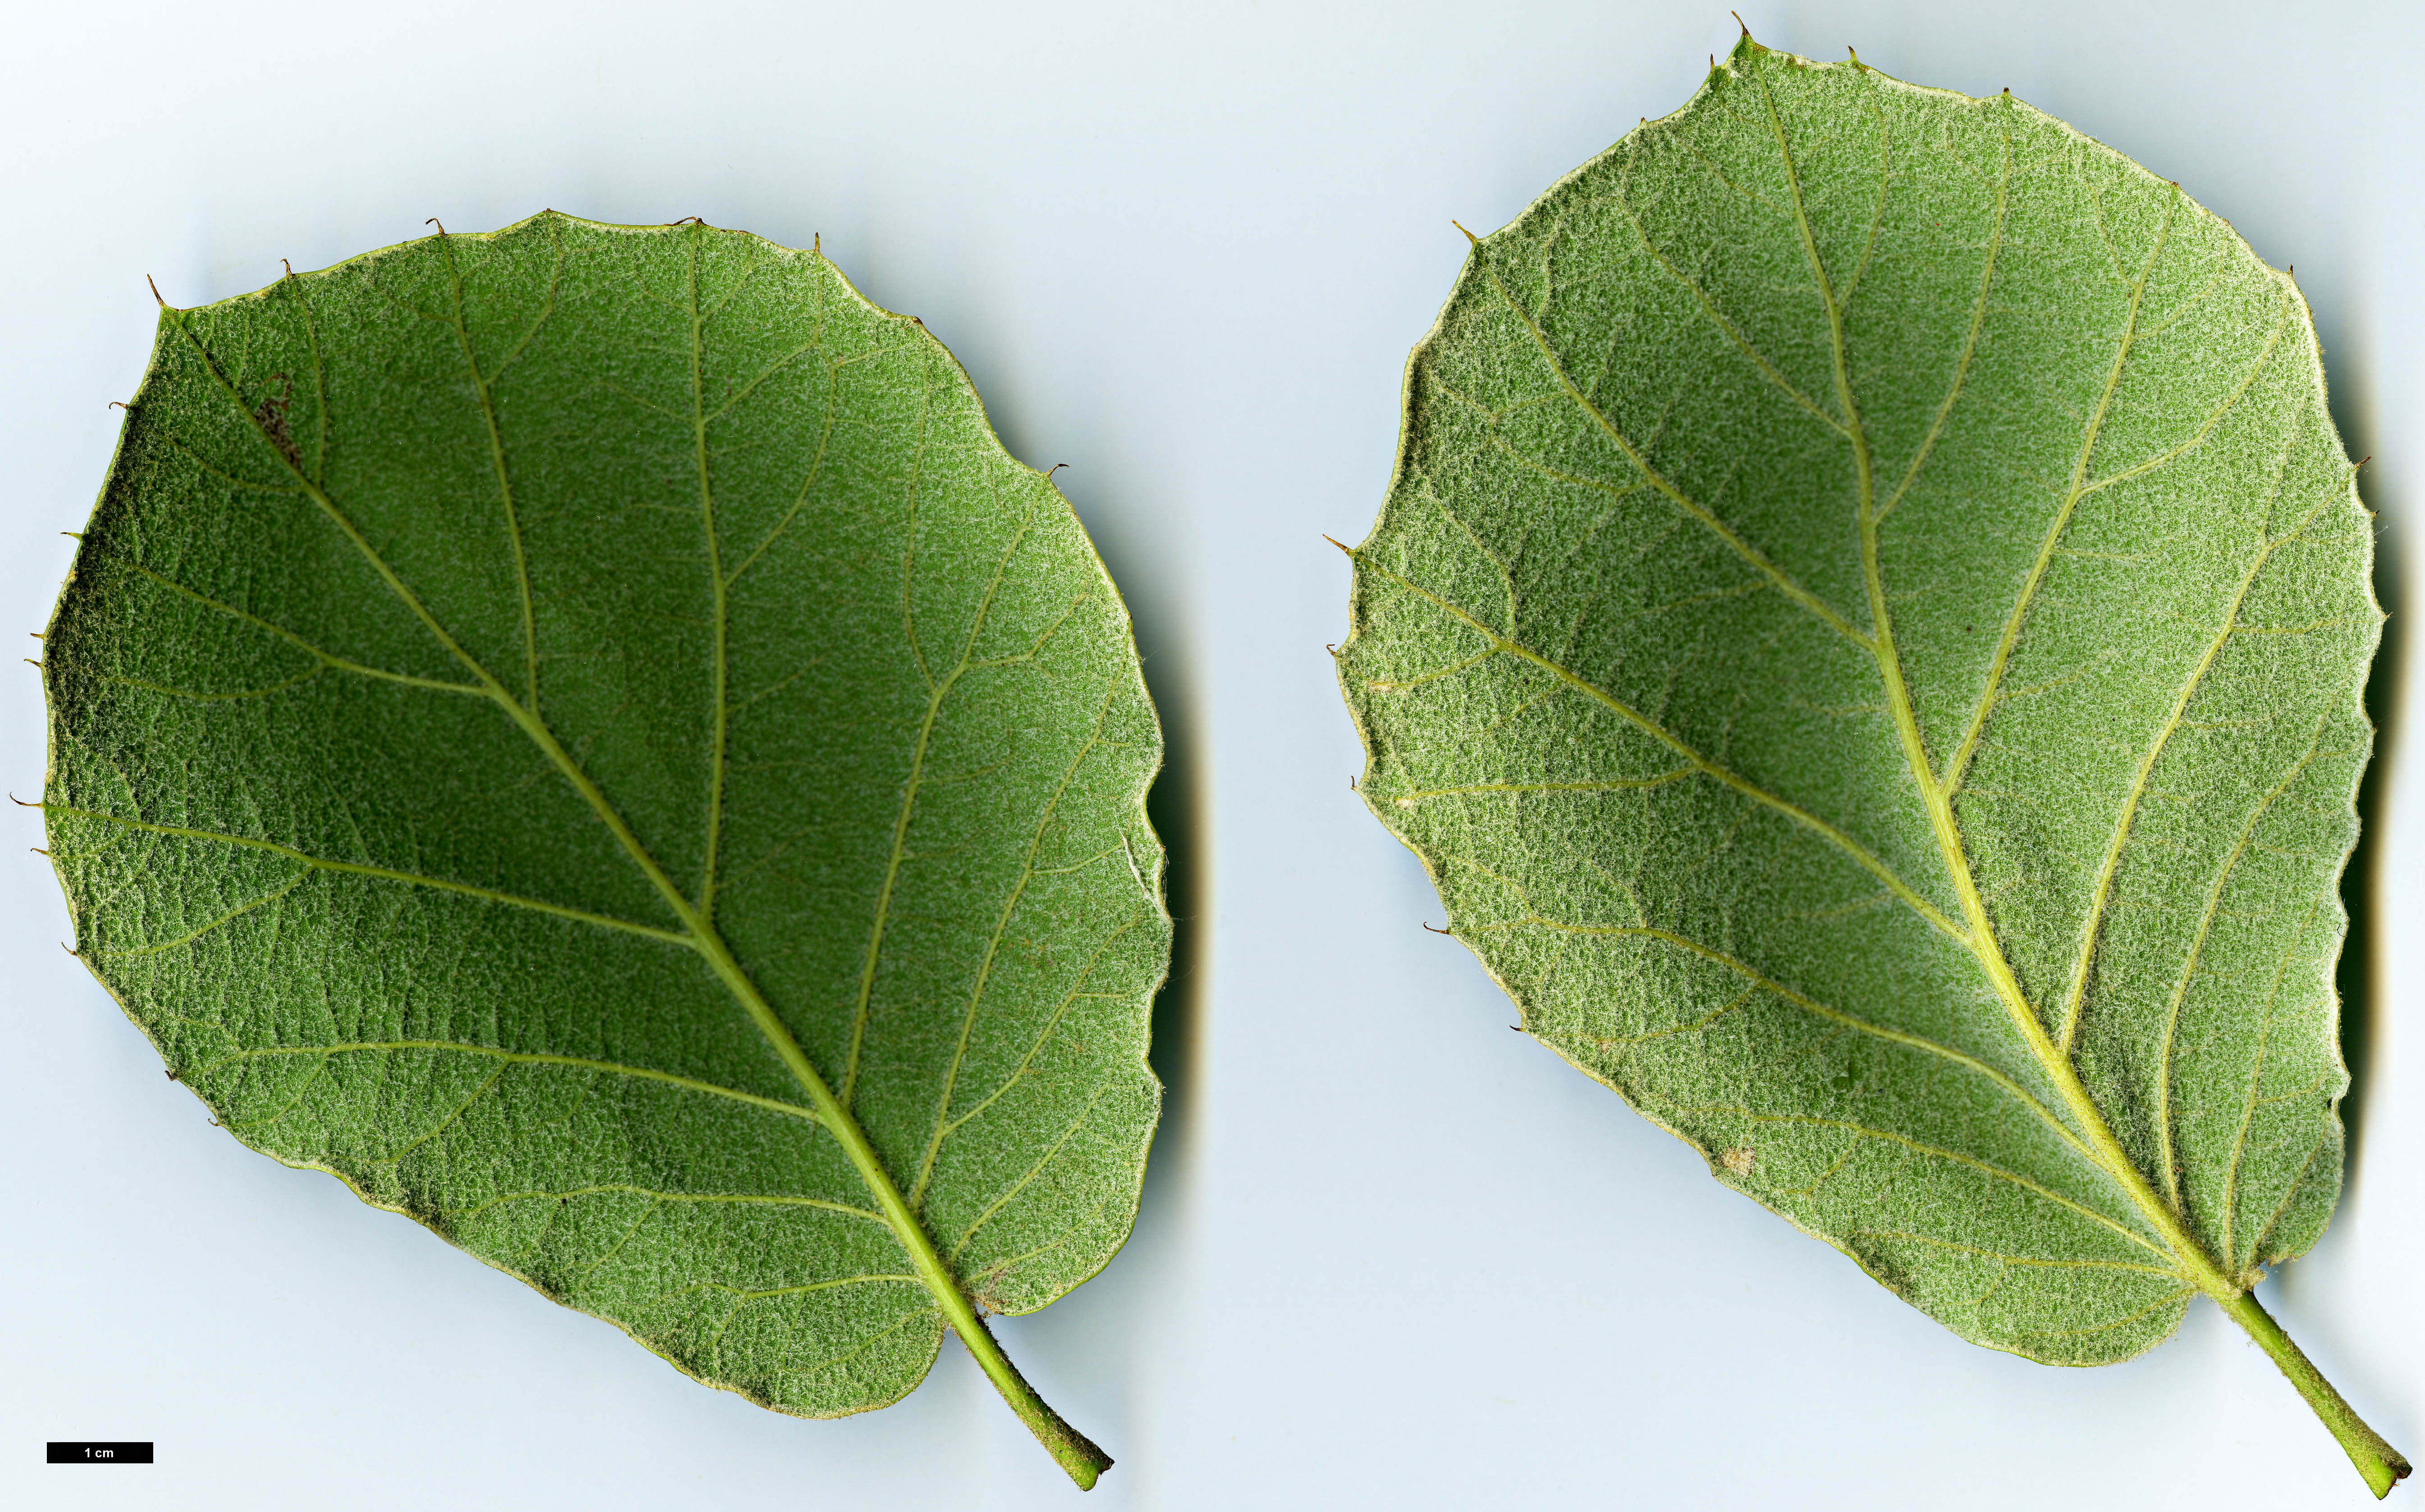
[1867, 636]
[475, 639]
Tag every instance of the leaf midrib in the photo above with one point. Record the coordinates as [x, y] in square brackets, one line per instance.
[698, 932]
[1984, 944]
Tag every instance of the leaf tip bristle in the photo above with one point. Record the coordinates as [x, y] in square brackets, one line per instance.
[1469, 235]
[1738, 20]
[1343, 546]
[21, 803]
[155, 290]
[1438, 931]
[289, 266]
[120, 403]
[434, 221]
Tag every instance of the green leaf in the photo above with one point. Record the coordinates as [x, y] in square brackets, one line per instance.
[584, 734]
[1867, 635]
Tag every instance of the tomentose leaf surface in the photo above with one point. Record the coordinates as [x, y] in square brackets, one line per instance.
[1866, 634]
[583, 733]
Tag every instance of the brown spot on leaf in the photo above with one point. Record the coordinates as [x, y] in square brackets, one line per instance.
[272, 416]
[984, 1294]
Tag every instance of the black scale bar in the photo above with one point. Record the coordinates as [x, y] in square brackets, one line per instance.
[101, 1452]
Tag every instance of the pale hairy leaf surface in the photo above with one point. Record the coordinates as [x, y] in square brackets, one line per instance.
[1867, 635]
[566, 729]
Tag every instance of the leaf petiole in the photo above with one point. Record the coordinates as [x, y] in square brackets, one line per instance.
[1073, 1451]
[2383, 1465]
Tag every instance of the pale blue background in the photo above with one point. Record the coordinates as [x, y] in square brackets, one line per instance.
[1392, 1255]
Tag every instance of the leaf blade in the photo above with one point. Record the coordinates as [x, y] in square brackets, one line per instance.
[484, 470]
[1638, 457]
